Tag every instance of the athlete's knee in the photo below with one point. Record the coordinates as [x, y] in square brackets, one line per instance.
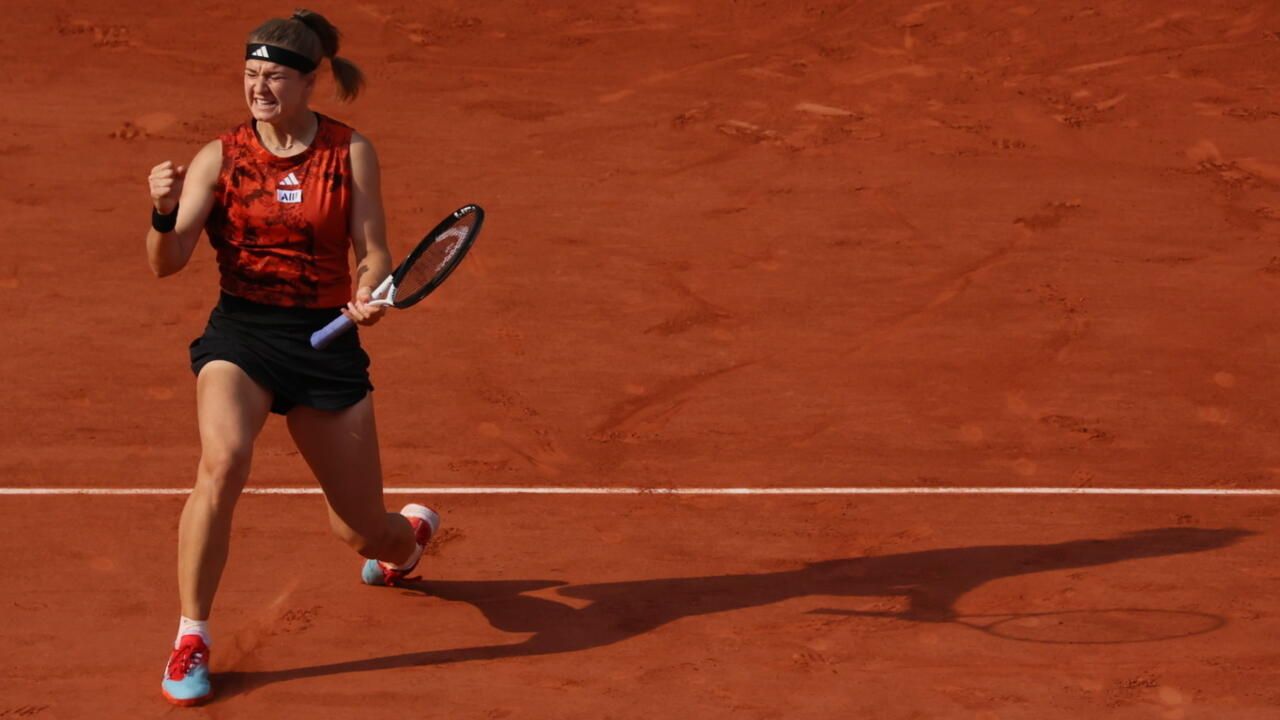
[223, 472]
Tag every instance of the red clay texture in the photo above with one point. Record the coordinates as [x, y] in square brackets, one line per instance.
[750, 244]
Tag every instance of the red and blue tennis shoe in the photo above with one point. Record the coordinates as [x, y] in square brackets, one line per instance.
[186, 677]
[425, 523]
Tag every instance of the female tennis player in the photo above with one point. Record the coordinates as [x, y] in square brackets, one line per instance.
[283, 198]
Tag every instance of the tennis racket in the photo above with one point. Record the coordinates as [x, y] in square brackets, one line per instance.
[421, 272]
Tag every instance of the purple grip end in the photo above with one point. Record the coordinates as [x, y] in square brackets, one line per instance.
[321, 338]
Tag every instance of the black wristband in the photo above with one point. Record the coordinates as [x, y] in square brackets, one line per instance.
[164, 223]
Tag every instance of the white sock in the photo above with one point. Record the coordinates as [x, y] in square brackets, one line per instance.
[187, 626]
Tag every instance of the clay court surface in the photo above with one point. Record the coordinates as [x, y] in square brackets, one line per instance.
[755, 245]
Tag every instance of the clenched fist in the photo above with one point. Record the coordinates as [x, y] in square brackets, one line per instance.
[166, 186]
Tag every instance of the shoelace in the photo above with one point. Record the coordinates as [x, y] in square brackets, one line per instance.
[391, 577]
[183, 661]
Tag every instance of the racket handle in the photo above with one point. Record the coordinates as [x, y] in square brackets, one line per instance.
[321, 338]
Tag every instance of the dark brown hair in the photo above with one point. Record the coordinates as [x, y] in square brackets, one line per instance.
[310, 34]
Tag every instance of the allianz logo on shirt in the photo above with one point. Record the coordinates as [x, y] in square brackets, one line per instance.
[289, 196]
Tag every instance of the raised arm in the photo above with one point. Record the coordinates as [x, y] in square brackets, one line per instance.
[168, 252]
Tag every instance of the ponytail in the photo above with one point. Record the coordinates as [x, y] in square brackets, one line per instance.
[349, 78]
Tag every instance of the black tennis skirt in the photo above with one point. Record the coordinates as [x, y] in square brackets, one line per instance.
[273, 346]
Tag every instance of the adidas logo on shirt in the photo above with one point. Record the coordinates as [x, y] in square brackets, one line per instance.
[289, 196]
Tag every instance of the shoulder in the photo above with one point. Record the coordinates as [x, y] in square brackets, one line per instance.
[237, 134]
[362, 152]
[335, 131]
[361, 141]
[211, 148]
[334, 122]
[208, 159]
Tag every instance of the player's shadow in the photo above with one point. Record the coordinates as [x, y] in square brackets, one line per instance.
[931, 581]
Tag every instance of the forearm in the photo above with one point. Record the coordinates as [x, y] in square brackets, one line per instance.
[373, 268]
[167, 253]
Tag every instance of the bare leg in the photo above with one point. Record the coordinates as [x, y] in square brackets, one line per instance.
[342, 449]
[232, 409]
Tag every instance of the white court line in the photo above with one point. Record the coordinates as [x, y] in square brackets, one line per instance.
[1215, 492]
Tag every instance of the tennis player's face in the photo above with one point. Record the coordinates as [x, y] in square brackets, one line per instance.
[275, 92]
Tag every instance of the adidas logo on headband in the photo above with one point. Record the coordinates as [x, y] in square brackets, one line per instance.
[279, 56]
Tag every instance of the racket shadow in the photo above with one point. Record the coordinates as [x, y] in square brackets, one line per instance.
[930, 581]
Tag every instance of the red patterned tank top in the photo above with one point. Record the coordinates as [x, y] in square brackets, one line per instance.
[280, 226]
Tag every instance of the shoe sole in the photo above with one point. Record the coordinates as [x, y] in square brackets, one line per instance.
[192, 702]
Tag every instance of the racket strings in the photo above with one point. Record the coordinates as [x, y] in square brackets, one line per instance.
[434, 263]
